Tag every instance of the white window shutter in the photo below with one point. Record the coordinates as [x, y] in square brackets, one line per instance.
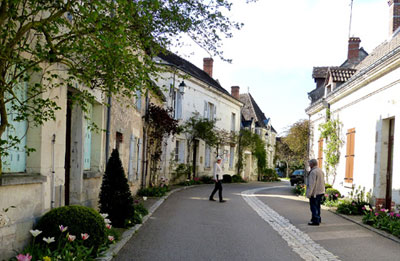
[205, 109]
[181, 152]
[139, 161]
[131, 158]
[178, 105]
[215, 112]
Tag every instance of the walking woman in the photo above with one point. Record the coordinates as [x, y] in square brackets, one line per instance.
[218, 176]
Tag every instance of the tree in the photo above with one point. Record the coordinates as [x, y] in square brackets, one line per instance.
[330, 131]
[159, 125]
[105, 45]
[197, 128]
[115, 198]
[292, 147]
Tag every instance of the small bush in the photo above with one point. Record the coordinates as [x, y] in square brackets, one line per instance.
[139, 208]
[238, 179]
[327, 186]
[207, 180]
[332, 194]
[227, 178]
[153, 191]
[269, 175]
[79, 219]
[300, 189]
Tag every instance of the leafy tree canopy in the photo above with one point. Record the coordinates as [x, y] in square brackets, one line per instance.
[107, 45]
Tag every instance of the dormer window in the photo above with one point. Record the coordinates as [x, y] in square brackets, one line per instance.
[328, 89]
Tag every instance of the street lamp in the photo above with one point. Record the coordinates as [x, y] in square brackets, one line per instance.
[182, 86]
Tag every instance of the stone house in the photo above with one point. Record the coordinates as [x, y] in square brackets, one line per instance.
[364, 97]
[256, 121]
[190, 90]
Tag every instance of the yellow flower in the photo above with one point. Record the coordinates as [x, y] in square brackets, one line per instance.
[46, 258]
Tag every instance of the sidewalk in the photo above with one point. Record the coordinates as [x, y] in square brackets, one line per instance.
[151, 204]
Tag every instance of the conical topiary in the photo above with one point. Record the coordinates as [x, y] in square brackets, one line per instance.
[115, 197]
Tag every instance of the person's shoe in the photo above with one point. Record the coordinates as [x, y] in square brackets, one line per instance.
[222, 201]
[211, 199]
[313, 224]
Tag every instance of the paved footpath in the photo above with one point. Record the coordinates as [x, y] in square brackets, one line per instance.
[259, 221]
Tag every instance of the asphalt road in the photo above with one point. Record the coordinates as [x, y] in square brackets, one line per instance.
[259, 221]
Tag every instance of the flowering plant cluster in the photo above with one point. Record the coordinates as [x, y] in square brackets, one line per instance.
[382, 219]
[66, 247]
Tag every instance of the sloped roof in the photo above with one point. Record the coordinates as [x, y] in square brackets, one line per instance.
[340, 74]
[361, 56]
[192, 70]
[380, 52]
[251, 110]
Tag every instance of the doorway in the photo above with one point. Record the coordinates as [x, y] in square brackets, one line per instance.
[389, 173]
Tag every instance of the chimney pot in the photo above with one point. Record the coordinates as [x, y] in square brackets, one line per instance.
[235, 91]
[354, 49]
[208, 66]
[394, 16]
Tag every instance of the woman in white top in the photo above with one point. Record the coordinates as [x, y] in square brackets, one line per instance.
[218, 176]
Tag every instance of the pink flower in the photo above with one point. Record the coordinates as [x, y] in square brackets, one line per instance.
[398, 215]
[326, 195]
[383, 210]
[85, 236]
[336, 195]
[391, 214]
[71, 238]
[62, 228]
[363, 208]
[108, 226]
[111, 238]
[376, 214]
[22, 257]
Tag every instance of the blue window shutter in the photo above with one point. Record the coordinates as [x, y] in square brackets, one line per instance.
[132, 146]
[16, 160]
[178, 106]
[88, 140]
[138, 100]
[139, 158]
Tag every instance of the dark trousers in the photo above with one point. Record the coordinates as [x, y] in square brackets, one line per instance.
[315, 207]
[218, 186]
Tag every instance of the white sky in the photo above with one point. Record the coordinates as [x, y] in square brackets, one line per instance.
[274, 53]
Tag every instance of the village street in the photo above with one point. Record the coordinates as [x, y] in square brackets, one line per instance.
[259, 221]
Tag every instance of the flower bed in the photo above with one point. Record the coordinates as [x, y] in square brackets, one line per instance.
[382, 219]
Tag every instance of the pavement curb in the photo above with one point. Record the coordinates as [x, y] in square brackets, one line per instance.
[115, 248]
[378, 231]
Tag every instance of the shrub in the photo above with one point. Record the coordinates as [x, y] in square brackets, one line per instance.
[300, 189]
[348, 207]
[78, 219]
[227, 178]
[207, 180]
[238, 179]
[327, 186]
[153, 191]
[139, 208]
[182, 170]
[332, 194]
[269, 175]
[115, 197]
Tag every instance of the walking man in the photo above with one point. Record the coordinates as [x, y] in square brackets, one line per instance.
[218, 176]
[315, 191]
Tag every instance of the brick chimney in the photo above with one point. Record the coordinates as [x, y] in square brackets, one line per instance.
[394, 16]
[235, 91]
[208, 65]
[354, 49]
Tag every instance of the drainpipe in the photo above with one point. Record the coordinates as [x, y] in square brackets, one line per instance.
[53, 178]
[108, 127]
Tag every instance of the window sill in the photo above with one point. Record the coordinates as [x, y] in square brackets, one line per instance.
[87, 174]
[10, 179]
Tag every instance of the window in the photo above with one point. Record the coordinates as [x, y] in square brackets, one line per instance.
[87, 148]
[132, 158]
[233, 122]
[139, 158]
[16, 160]
[320, 152]
[209, 111]
[350, 155]
[207, 157]
[231, 157]
[180, 151]
[178, 106]
[138, 102]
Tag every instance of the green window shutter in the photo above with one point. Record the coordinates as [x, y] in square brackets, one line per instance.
[16, 160]
[88, 140]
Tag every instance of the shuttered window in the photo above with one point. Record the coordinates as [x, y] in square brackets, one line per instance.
[320, 152]
[178, 106]
[16, 159]
[132, 157]
[207, 157]
[231, 157]
[139, 158]
[138, 102]
[350, 155]
[88, 139]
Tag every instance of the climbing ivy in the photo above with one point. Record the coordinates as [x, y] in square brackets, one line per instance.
[330, 131]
